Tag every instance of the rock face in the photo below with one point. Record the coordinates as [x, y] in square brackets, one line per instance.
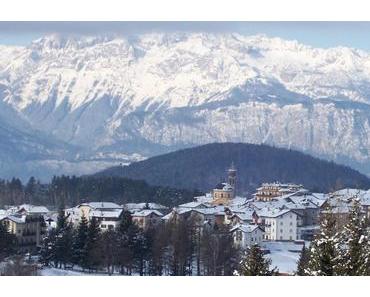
[110, 99]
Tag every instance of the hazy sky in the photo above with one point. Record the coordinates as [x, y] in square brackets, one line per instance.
[318, 34]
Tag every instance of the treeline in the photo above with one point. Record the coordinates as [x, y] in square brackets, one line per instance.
[336, 249]
[72, 190]
[178, 248]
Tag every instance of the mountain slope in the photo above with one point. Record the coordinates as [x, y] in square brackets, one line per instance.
[121, 98]
[204, 166]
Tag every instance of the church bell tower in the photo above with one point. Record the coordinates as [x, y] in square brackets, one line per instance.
[231, 174]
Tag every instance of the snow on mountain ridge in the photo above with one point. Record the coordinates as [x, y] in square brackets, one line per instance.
[156, 91]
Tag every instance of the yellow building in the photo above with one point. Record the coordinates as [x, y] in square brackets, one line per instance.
[29, 230]
[224, 192]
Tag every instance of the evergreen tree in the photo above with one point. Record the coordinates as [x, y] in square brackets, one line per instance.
[356, 255]
[91, 246]
[126, 222]
[303, 260]
[108, 250]
[324, 250]
[8, 242]
[62, 254]
[126, 236]
[79, 256]
[47, 252]
[254, 264]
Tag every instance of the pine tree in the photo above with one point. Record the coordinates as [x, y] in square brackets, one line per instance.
[8, 242]
[254, 263]
[126, 222]
[47, 252]
[62, 254]
[303, 260]
[91, 245]
[79, 257]
[324, 250]
[108, 250]
[356, 257]
[126, 234]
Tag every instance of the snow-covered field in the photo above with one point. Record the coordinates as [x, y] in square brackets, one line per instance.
[283, 255]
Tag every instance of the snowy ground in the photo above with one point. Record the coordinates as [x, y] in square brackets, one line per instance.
[51, 271]
[284, 255]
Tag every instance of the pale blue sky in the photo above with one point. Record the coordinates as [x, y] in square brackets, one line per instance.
[317, 34]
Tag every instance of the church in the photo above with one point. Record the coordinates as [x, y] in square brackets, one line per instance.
[224, 192]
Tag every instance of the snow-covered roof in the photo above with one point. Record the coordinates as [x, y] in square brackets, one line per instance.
[19, 219]
[273, 213]
[28, 208]
[245, 216]
[194, 204]
[167, 216]
[245, 228]
[143, 205]
[106, 213]
[181, 210]
[102, 205]
[147, 212]
[210, 211]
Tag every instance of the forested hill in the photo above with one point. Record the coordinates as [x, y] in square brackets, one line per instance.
[204, 166]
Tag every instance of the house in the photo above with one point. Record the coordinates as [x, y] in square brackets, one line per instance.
[246, 217]
[28, 209]
[28, 229]
[279, 224]
[85, 210]
[107, 219]
[146, 218]
[271, 191]
[246, 235]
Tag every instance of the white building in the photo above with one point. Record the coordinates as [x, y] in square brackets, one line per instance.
[280, 224]
[99, 210]
[246, 235]
[146, 218]
[107, 219]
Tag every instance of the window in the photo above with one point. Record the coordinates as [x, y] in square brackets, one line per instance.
[281, 223]
[281, 237]
[290, 238]
[103, 226]
[110, 227]
[252, 239]
[291, 223]
[290, 230]
[281, 230]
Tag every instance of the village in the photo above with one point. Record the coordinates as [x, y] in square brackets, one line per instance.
[278, 214]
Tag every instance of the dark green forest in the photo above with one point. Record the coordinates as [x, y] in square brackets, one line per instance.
[204, 166]
[71, 190]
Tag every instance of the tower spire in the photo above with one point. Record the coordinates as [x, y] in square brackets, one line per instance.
[231, 174]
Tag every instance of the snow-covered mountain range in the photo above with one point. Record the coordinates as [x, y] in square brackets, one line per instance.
[78, 104]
